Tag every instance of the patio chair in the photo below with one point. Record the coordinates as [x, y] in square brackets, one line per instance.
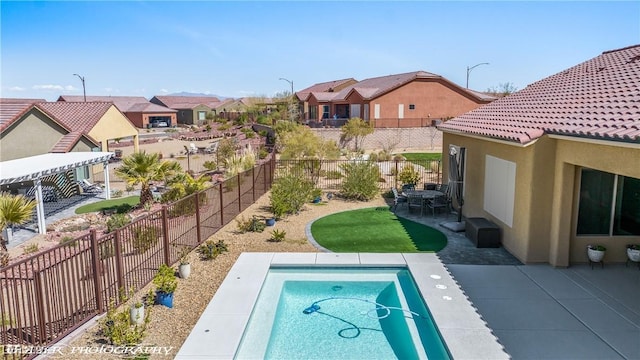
[89, 187]
[397, 199]
[414, 201]
[438, 202]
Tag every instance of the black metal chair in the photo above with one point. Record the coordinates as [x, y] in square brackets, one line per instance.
[414, 201]
[438, 202]
[397, 199]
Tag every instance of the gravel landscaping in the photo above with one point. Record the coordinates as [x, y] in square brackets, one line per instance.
[170, 327]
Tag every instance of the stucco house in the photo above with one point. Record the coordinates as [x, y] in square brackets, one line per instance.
[324, 87]
[403, 100]
[140, 111]
[557, 165]
[191, 110]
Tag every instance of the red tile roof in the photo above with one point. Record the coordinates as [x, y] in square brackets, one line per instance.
[12, 109]
[599, 99]
[123, 103]
[68, 141]
[78, 116]
[188, 102]
[328, 86]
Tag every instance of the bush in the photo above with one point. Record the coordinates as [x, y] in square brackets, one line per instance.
[333, 175]
[250, 225]
[106, 250]
[117, 193]
[277, 235]
[210, 249]
[117, 221]
[165, 279]
[360, 181]
[263, 120]
[68, 241]
[116, 326]
[144, 238]
[289, 193]
[409, 175]
[262, 153]
[31, 248]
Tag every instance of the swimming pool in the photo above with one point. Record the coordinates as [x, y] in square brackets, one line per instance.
[220, 328]
[325, 313]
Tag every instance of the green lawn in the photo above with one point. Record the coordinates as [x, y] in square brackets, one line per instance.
[108, 204]
[375, 230]
[422, 156]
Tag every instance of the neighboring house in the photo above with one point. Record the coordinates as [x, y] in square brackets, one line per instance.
[557, 164]
[140, 111]
[191, 110]
[403, 100]
[328, 87]
[27, 129]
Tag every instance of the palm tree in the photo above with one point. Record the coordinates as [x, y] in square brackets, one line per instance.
[142, 168]
[14, 209]
[184, 184]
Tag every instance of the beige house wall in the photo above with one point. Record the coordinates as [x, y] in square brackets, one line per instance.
[33, 134]
[114, 125]
[546, 188]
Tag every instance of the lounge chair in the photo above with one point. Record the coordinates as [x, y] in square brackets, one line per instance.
[89, 187]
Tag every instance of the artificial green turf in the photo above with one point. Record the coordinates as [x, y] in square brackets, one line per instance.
[422, 156]
[108, 204]
[375, 230]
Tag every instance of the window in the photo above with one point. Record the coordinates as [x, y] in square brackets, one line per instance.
[202, 115]
[313, 112]
[609, 204]
[325, 111]
[412, 106]
[499, 188]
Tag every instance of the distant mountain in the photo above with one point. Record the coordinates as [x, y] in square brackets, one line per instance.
[184, 93]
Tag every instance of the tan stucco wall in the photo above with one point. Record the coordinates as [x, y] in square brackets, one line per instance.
[33, 134]
[114, 125]
[545, 205]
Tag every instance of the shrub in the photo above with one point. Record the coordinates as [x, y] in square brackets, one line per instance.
[144, 238]
[277, 235]
[262, 153]
[360, 181]
[165, 279]
[224, 127]
[211, 249]
[117, 193]
[333, 174]
[31, 248]
[117, 221]
[4, 257]
[116, 326]
[289, 193]
[409, 175]
[262, 133]
[250, 225]
[264, 120]
[106, 250]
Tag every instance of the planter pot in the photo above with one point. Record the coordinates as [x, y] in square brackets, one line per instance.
[163, 298]
[184, 270]
[136, 315]
[595, 255]
[270, 222]
[633, 255]
[317, 199]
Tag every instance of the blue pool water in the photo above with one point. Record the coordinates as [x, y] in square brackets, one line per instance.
[334, 313]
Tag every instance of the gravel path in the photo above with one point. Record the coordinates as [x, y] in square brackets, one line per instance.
[170, 327]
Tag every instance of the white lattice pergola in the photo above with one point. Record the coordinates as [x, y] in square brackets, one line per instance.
[34, 168]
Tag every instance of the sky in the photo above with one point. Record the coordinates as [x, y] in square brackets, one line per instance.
[242, 48]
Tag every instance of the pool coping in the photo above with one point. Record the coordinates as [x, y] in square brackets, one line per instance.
[218, 332]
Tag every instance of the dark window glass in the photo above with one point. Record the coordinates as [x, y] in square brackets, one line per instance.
[596, 194]
[412, 106]
[627, 216]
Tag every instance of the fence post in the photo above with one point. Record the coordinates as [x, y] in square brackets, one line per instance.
[253, 183]
[395, 176]
[95, 257]
[165, 235]
[239, 194]
[221, 206]
[264, 183]
[198, 224]
[39, 300]
[118, 253]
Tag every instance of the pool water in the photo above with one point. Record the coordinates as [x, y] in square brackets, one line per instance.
[338, 313]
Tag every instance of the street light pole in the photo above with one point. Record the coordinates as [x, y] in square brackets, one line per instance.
[290, 82]
[292, 98]
[471, 68]
[84, 92]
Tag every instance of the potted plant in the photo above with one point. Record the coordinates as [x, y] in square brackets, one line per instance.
[184, 269]
[595, 252]
[316, 195]
[633, 252]
[166, 283]
[136, 313]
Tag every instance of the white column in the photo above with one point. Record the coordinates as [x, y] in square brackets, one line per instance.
[107, 187]
[42, 226]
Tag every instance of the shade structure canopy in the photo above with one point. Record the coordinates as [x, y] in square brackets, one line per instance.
[34, 168]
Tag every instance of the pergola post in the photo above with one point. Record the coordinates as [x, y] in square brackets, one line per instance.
[42, 226]
[107, 187]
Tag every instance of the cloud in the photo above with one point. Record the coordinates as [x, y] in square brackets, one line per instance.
[16, 88]
[54, 87]
[164, 91]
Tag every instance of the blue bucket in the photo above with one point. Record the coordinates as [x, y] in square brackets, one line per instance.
[163, 298]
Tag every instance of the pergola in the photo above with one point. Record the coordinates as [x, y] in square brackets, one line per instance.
[34, 168]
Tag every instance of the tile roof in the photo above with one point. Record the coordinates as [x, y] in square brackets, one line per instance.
[68, 141]
[77, 116]
[599, 99]
[188, 102]
[123, 103]
[12, 109]
[328, 86]
[372, 88]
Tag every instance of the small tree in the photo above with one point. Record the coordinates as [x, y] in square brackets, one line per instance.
[360, 180]
[141, 169]
[502, 90]
[289, 193]
[356, 129]
[409, 175]
[14, 209]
